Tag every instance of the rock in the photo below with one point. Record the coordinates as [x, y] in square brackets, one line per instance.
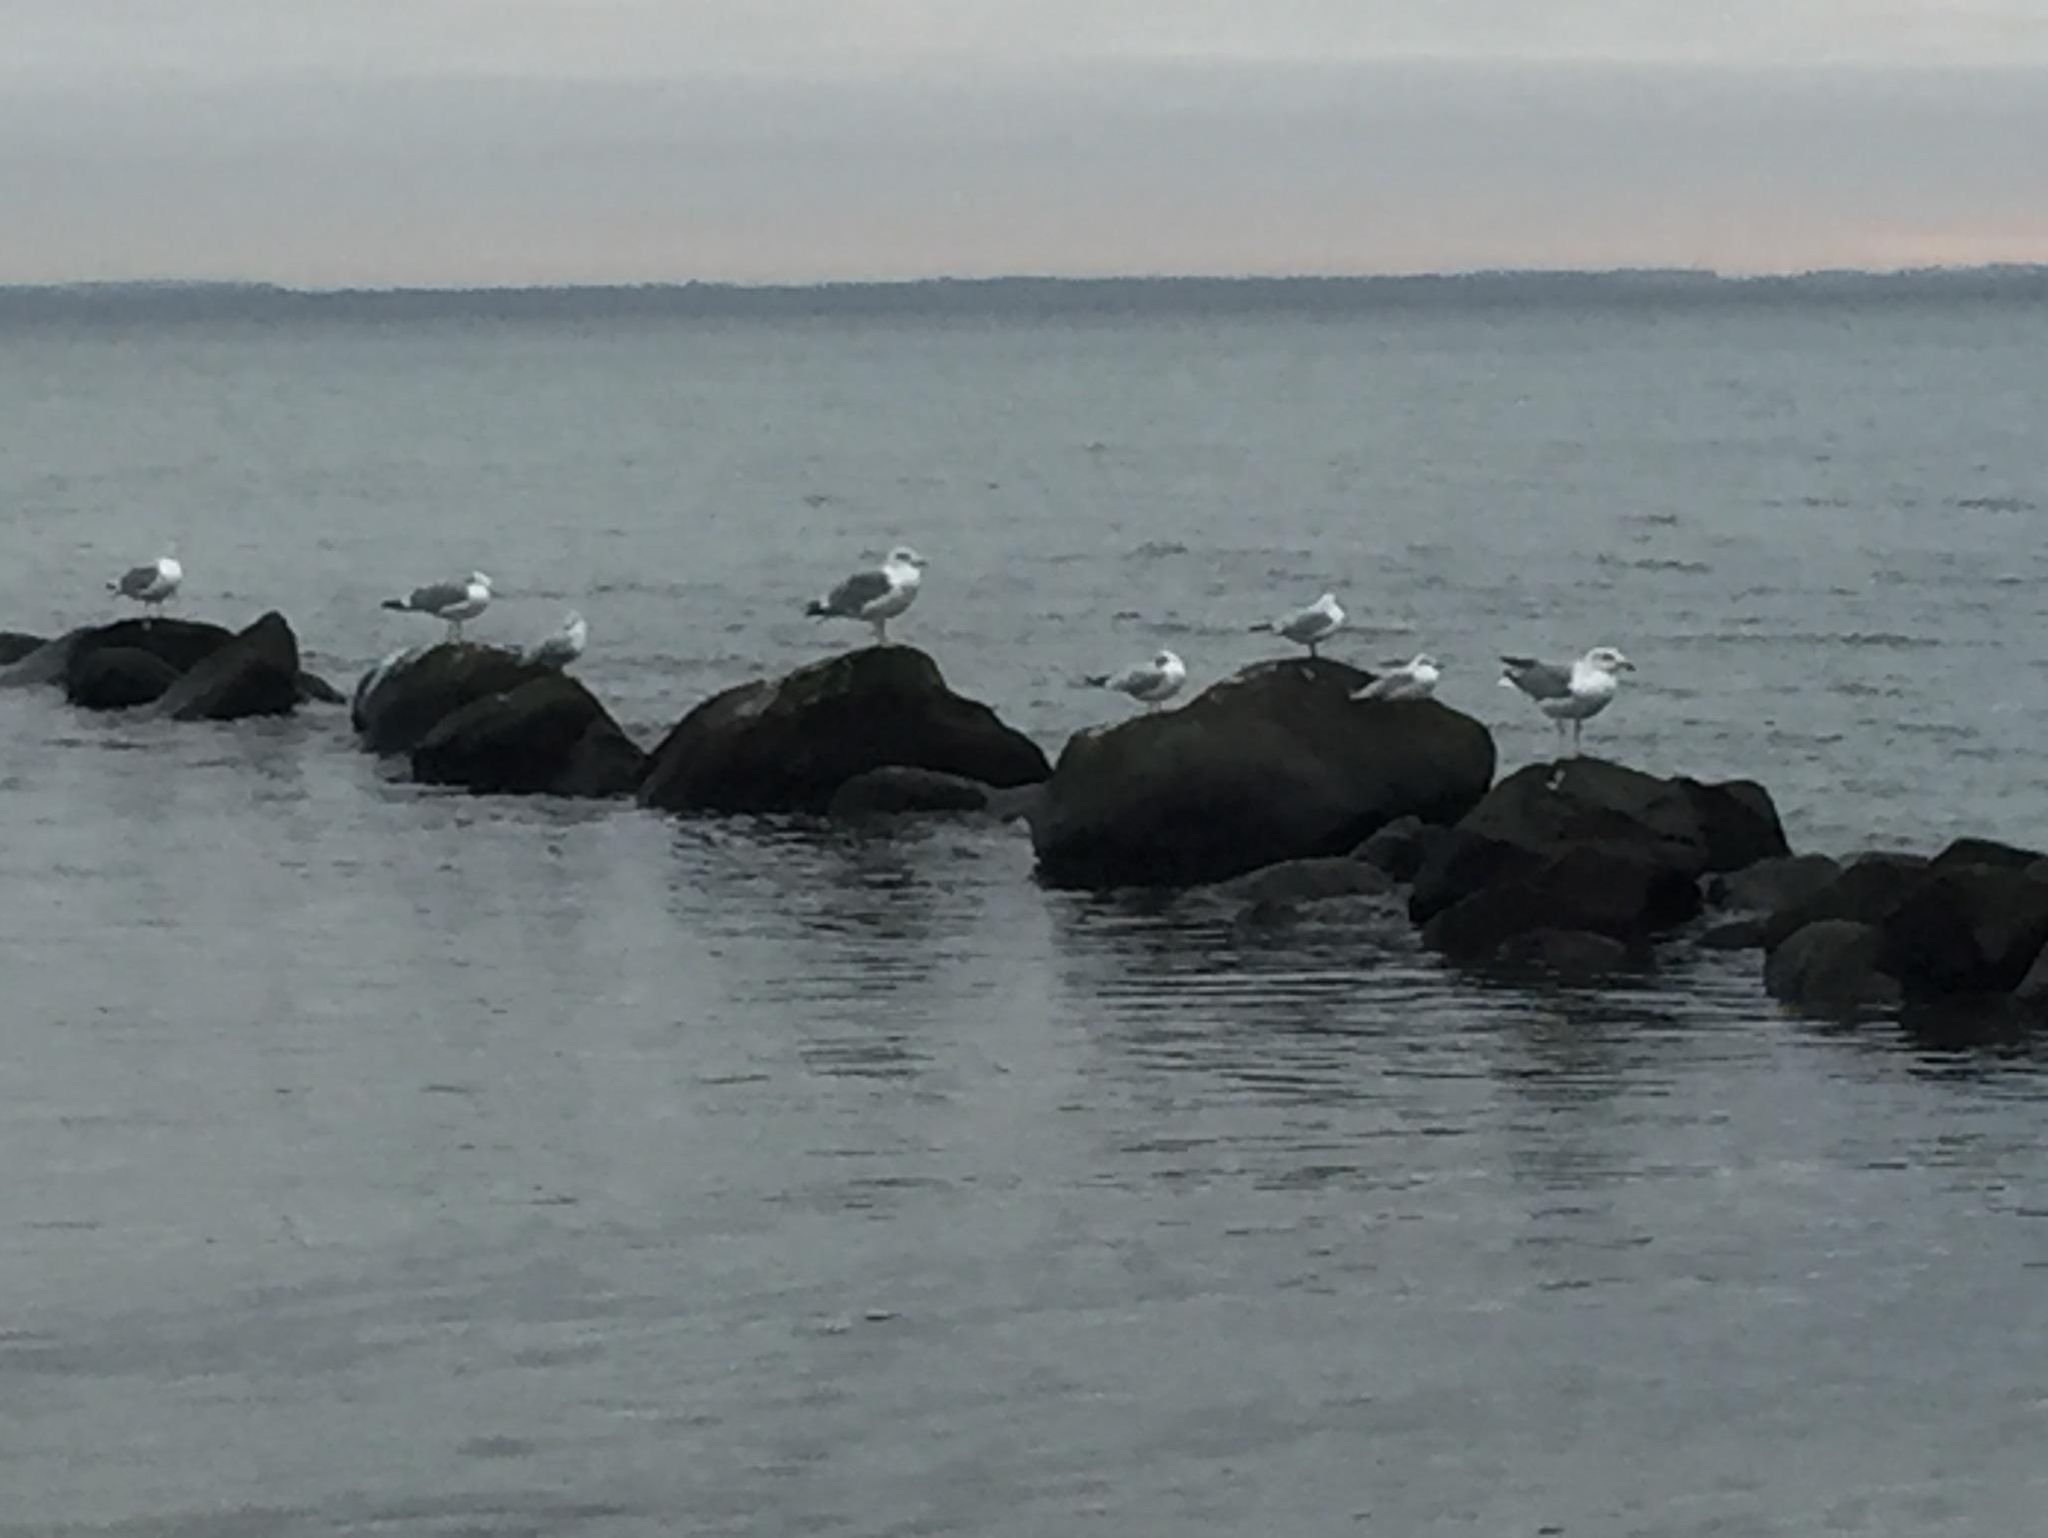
[47, 664]
[1273, 764]
[1772, 884]
[405, 697]
[1583, 844]
[1738, 822]
[896, 789]
[1743, 934]
[1602, 889]
[183, 643]
[1965, 929]
[789, 744]
[16, 644]
[546, 736]
[1868, 888]
[1985, 851]
[115, 678]
[1831, 964]
[1569, 955]
[2032, 990]
[1294, 882]
[1400, 847]
[254, 674]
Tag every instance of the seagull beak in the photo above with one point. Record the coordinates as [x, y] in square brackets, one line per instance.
[1626, 666]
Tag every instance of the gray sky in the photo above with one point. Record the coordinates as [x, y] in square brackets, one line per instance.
[505, 141]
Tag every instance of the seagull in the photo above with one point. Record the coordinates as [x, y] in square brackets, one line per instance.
[1413, 680]
[564, 646]
[1574, 691]
[1150, 683]
[450, 601]
[876, 596]
[1308, 627]
[150, 585]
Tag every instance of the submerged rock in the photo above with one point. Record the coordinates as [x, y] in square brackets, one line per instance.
[897, 790]
[1276, 763]
[791, 744]
[546, 736]
[1831, 965]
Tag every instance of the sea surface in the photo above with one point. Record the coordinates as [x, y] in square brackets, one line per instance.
[384, 1161]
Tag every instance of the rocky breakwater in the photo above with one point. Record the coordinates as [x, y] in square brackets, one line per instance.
[869, 731]
[184, 670]
[1969, 926]
[1585, 862]
[494, 722]
[1275, 763]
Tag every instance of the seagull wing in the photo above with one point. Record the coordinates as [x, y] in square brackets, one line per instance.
[857, 592]
[1539, 680]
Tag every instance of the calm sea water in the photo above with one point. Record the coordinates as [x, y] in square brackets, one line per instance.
[383, 1161]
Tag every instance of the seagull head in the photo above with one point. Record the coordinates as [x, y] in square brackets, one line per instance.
[903, 555]
[1167, 662]
[1422, 662]
[1607, 660]
[480, 579]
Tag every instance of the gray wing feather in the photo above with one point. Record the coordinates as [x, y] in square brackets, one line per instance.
[1387, 686]
[437, 595]
[137, 580]
[857, 592]
[1539, 680]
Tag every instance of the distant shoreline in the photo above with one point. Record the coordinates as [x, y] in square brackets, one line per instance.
[1025, 295]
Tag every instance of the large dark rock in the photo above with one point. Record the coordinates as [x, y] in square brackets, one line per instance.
[410, 693]
[183, 643]
[1831, 965]
[897, 789]
[1586, 845]
[1965, 929]
[547, 736]
[115, 678]
[1273, 764]
[16, 644]
[789, 744]
[45, 664]
[254, 674]
[1866, 891]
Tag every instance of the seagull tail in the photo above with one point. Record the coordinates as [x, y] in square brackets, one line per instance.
[1097, 680]
[817, 609]
[396, 603]
[1264, 624]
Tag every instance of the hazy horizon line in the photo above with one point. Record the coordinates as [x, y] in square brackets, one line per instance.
[1695, 275]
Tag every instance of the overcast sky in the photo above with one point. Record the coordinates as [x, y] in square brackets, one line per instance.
[327, 142]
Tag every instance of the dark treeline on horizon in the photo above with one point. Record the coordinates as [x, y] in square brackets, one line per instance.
[1007, 296]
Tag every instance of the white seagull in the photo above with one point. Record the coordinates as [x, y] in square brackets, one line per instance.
[1574, 692]
[1308, 627]
[876, 596]
[150, 585]
[1149, 683]
[454, 602]
[564, 646]
[1413, 680]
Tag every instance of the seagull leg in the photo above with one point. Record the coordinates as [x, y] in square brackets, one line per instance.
[881, 631]
[1577, 727]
